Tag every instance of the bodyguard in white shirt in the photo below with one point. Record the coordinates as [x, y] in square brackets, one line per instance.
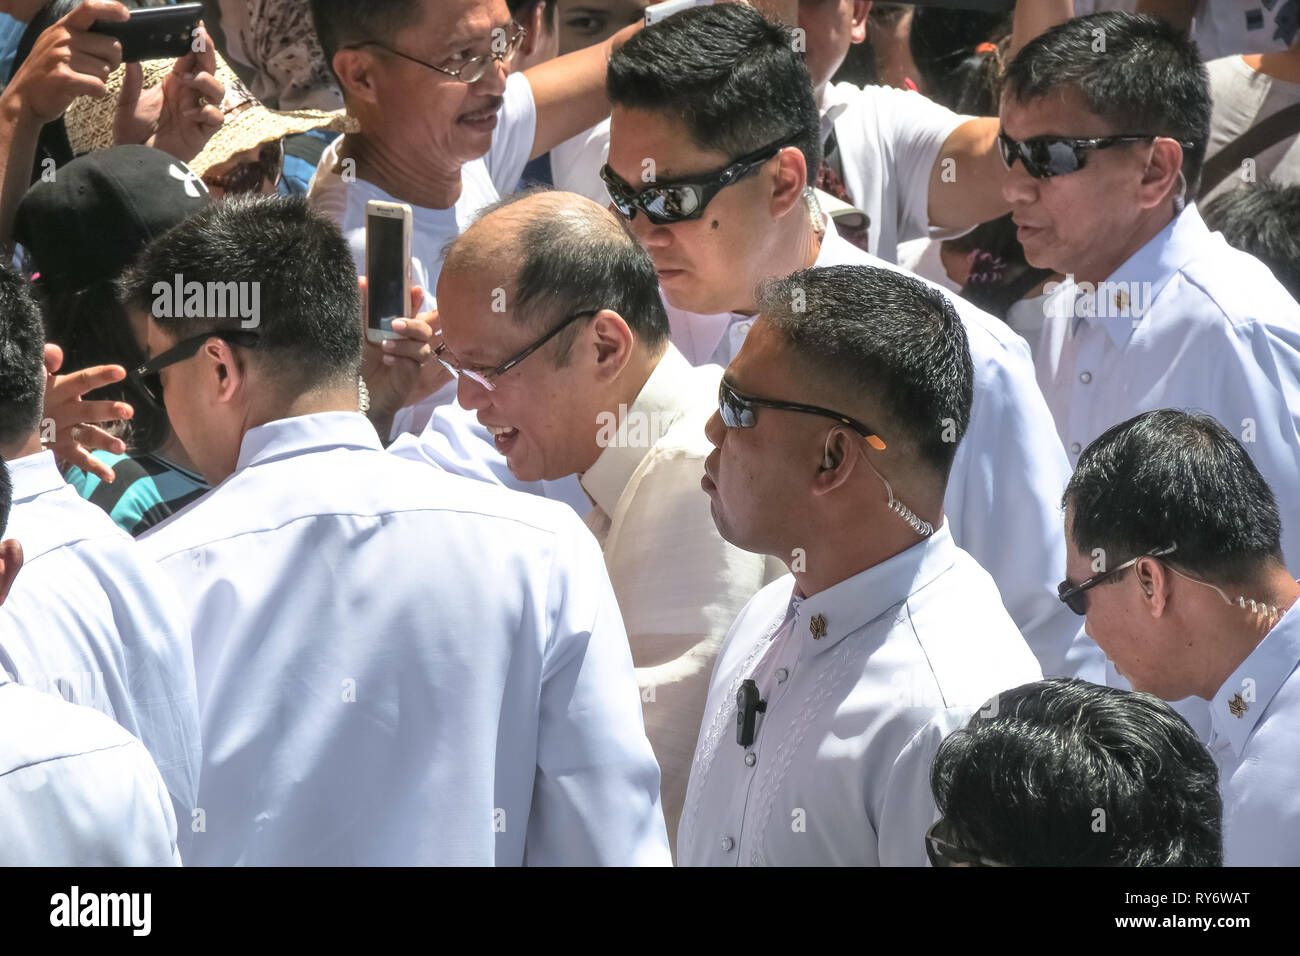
[395, 666]
[716, 227]
[835, 686]
[75, 788]
[577, 376]
[1176, 559]
[91, 618]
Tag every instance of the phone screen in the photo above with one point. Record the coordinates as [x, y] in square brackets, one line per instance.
[385, 271]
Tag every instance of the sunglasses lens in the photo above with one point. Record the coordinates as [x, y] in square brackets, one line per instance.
[1060, 158]
[734, 410]
[1076, 601]
[670, 204]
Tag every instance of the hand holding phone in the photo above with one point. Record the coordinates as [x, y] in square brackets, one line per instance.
[154, 33]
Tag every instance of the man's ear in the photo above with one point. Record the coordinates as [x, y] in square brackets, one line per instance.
[858, 26]
[11, 562]
[355, 70]
[225, 371]
[789, 181]
[613, 340]
[1162, 173]
[1153, 582]
[837, 462]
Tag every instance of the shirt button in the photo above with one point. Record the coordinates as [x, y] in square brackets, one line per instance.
[1075, 448]
[750, 759]
[781, 675]
[727, 844]
[1085, 377]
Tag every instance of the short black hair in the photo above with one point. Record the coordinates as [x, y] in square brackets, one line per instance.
[1264, 220]
[22, 359]
[1063, 772]
[309, 319]
[732, 76]
[340, 22]
[1148, 79]
[1169, 477]
[577, 262]
[888, 336]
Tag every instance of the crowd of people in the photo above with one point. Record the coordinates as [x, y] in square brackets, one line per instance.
[820, 433]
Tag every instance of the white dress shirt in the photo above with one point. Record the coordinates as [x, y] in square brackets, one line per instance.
[1004, 491]
[861, 681]
[76, 789]
[888, 141]
[1255, 740]
[90, 618]
[679, 584]
[1205, 327]
[399, 666]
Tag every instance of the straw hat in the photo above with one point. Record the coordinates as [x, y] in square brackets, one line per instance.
[89, 120]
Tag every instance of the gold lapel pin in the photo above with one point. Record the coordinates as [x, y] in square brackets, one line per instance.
[1237, 706]
[818, 626]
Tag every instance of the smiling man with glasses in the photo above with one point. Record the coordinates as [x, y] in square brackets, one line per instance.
[442, 121]
[1175, 557]
[577, 376]
[836, 683]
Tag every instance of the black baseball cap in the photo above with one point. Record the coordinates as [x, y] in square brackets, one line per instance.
[101, 210]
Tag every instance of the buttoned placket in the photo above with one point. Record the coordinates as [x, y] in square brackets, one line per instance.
[1089, 342]
[773, 682]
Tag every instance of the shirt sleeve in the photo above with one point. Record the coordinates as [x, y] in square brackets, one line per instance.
[912, 129]
[512, 142]
[907, 807]
[576, 163]
[596, 792]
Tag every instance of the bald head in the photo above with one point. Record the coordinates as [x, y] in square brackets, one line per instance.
[552, 254]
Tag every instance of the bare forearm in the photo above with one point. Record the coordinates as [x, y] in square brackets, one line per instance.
[569, 91]
[18, 135]
[1031, 19]
[966, 181]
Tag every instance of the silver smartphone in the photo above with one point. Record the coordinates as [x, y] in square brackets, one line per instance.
[388, 267]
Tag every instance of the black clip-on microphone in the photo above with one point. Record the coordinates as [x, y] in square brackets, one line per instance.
[748, 707]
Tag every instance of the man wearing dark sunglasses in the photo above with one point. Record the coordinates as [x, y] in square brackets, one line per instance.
[1104, 149]
[1193, 602]
[577, 377]
[885, 636]
[729, 207]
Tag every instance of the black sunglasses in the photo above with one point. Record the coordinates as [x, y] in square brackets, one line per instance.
[484, 377]
[1048, 156]
[737, 411]
[682, 199]
[945, 853]
[1075, 596]
[148, 380]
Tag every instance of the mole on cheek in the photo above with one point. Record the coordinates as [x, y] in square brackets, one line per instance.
[715, 224]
